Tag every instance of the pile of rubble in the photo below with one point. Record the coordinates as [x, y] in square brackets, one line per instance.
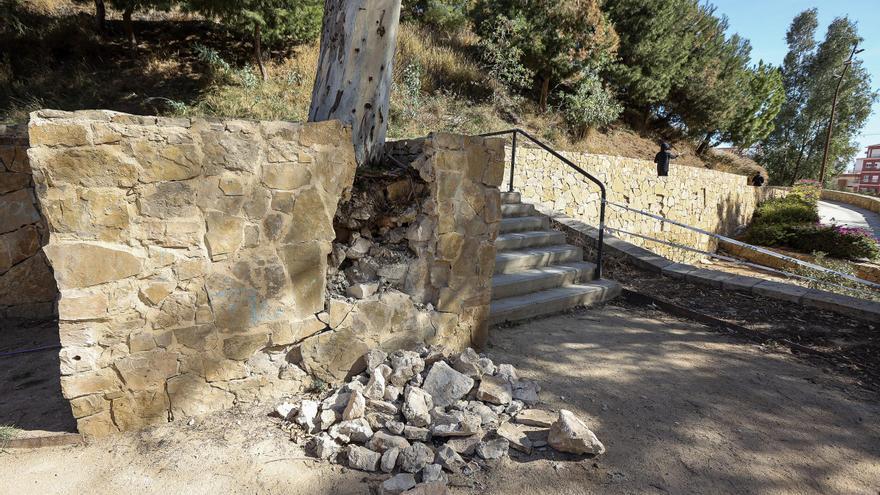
[425, 417]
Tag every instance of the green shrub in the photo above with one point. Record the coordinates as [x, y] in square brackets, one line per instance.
[837, 242]
[806, 190]
[768, 234]
[590, 106]
[787, 211]
[447, 16]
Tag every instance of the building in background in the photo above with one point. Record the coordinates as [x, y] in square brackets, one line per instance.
[868, 170]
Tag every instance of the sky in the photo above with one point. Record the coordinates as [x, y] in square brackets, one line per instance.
[764, 23]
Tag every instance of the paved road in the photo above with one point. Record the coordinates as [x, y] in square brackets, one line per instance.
[850, 216]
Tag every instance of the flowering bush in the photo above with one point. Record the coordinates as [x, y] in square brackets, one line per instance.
[807, 190]
[835, 240]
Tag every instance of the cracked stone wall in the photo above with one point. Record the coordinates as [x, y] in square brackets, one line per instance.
[27, 288]
[190, 256]
[447, 291]
[714, 201]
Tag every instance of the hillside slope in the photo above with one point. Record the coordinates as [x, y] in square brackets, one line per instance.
[184, 65]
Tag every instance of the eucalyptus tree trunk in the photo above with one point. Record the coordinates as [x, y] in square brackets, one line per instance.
[353, 81]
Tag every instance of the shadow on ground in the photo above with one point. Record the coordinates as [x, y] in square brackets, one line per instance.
[684, 410]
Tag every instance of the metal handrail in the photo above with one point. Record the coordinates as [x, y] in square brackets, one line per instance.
[571, 164]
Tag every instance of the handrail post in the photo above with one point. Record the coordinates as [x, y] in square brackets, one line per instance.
[512, 161]
[599, 249]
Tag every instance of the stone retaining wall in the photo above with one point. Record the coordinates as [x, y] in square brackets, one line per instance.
[191, 257]
[27, 288]
[867, 202]
[714, 201]
[190, 254]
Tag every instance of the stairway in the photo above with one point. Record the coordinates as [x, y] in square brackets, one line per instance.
[536, 272]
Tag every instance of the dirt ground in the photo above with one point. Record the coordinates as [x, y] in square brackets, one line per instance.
[680, 408]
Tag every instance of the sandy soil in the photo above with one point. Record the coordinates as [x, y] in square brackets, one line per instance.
[680, 408]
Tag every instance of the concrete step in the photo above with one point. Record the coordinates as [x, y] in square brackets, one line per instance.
[526, 259]
[524, 224]
[510, 198]
[538, 279]
[521, 240]
[552, 301]
[518, 210]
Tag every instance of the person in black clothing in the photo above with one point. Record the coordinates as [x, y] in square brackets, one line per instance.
[758, 180]
[662, 159]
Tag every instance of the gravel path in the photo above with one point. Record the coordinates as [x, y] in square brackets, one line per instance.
[849, 215]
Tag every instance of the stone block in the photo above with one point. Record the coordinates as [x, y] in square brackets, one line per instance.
[224, 234]
[140, 408]
[17, 246]
[242, 347]
[17, 209]
[102, 381]
[77, 305]
[191, 395]
[780, 291]
[147, 370]
[80, 264]
[286, 176]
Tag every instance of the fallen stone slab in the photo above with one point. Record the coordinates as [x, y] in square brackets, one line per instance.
[415, 457]
[417, 405]
[536, 417]
[570, 434]
[381, 441]
[516, 436]
[389, 459]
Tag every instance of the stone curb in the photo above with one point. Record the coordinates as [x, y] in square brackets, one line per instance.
[59, 440]
[652, 262]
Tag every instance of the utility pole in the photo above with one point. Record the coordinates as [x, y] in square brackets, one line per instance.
[846, 65]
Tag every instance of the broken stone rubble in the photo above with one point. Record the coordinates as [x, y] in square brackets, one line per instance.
[466, 422]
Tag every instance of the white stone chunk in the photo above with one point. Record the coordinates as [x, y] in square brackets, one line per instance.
[446, 385]
[570, 434]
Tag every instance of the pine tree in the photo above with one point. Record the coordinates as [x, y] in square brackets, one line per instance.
[266, 22]
[655, 41]
[558, 39]
[754, 119]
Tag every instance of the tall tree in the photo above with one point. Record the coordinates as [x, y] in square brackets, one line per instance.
[712, 84]
[266, 22]
[655, 42]
[810, 73]
[754, 118]
[558, 39]
[353, 80]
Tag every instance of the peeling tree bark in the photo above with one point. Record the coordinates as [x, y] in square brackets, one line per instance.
[353, 82]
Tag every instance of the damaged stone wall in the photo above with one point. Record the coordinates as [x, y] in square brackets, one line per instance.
[438, 292]
[190, 257]
[27, 288]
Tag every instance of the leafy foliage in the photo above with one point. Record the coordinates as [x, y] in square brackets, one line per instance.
[753, 119]
[443, 15]
[591, 105]
[557, 40]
